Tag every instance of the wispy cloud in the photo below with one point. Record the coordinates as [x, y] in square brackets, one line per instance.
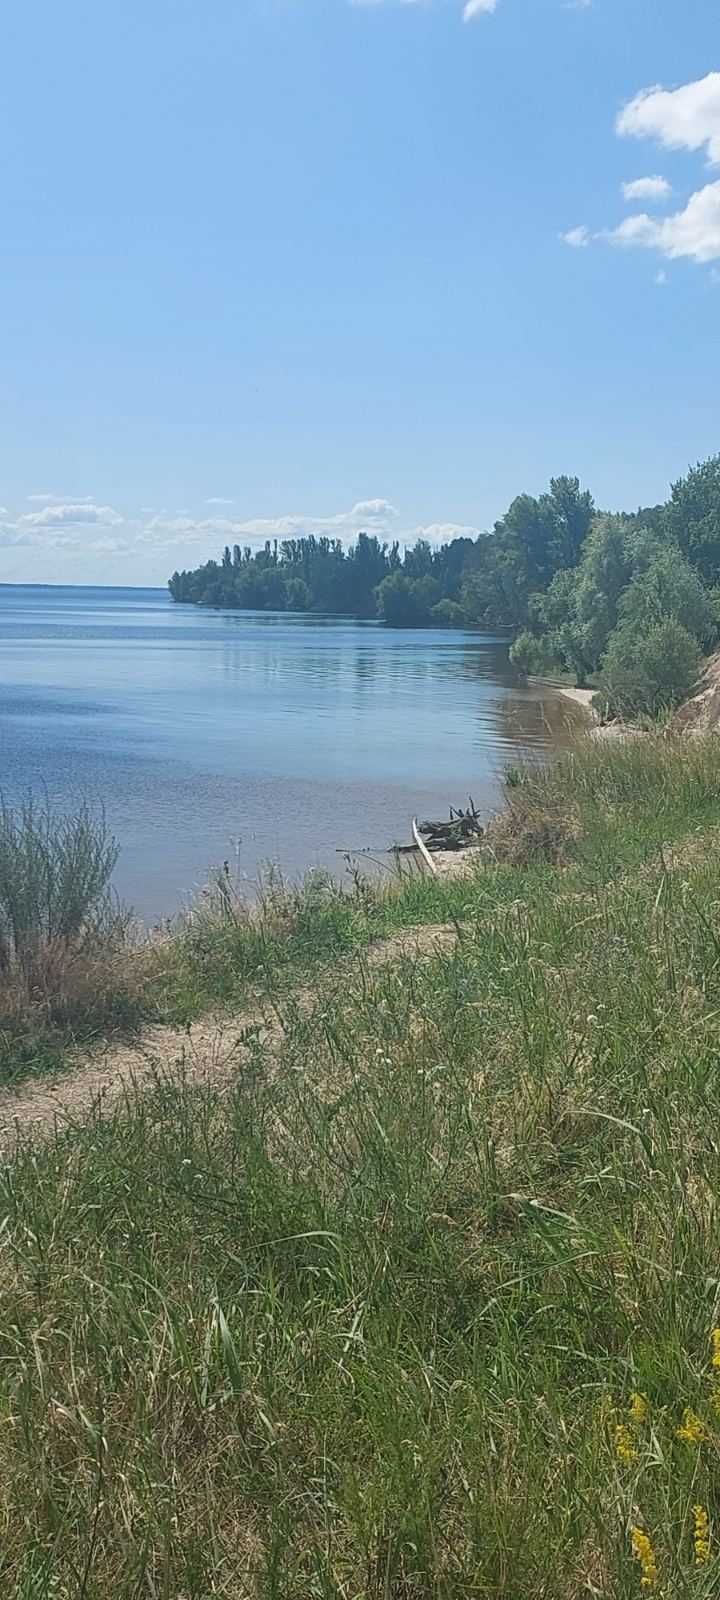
[370, 516]
[80, 513]
[470, 9]
[47, 499]
[86, 528]
[219, 500]
[647, 189]
[577, 238]
[64, 525]
[478, 8]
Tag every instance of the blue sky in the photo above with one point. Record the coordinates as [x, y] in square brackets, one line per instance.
[271, 266]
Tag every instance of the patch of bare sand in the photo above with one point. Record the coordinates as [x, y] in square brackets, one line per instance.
[580, 697]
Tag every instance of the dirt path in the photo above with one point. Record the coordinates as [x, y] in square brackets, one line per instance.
[208, 1047]
[212, 1045]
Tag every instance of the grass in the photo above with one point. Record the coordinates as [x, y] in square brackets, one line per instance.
[422, 1306]
[64, 968]
[577, 824]
[580, 822]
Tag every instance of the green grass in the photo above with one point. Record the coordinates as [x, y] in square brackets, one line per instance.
[596, 813]
[585, 820]
[365, 1325]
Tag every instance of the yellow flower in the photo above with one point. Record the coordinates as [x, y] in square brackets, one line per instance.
[643, 1552]
[693, 1429]
[701, 1535]
[715, 1340]
[639, 1408]
[624, 1443]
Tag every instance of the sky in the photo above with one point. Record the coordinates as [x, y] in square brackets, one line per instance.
[270, 267]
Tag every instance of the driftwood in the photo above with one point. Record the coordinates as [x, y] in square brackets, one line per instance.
[422, 847]
[463, 829]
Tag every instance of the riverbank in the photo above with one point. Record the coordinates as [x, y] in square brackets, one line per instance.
[579, 697]
[399, 1275]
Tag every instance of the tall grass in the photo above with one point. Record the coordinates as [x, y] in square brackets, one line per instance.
[421, 1306]
[584, 819]
[55, 873]
[64, 961]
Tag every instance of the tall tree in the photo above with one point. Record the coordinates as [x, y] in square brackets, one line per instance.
[693, 517]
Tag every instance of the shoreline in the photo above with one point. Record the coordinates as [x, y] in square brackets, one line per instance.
[579, 697]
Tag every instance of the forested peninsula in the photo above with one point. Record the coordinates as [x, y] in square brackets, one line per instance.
[627, 601]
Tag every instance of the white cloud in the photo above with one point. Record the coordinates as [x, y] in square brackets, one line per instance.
[478, 8]
[693, 233]
[443, 532]
[48, 499]
[687, 118]
[577, 238]
[75, 514]
[471, 8]
[218, 500]
[647, 189]
[205, 536]
[367, 516]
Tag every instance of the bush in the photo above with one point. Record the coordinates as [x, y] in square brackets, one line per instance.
[650, 673]
[531, 655]
[448, 614]
[55, 875]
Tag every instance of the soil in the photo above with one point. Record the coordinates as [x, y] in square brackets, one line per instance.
[210, 1047]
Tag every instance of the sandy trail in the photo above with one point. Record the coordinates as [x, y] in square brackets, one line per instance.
[210, 1047]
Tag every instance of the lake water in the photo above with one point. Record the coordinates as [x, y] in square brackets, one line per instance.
[247, 736]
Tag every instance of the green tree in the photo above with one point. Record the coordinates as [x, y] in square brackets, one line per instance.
[297, 595]
[668, 587]
[448, 614]
[693, 518]
[571, 510]
[532, 655]
[649, 672]
[407, 602]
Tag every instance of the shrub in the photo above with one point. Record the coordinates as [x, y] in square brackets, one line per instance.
[55, 875]
[448, 614]
[650, 673]
[531, 655]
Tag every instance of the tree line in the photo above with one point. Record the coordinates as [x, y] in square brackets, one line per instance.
[629, 601]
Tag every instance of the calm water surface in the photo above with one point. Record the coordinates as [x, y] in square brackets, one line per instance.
[250, 736]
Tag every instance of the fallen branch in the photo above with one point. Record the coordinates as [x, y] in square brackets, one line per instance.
[422, 847]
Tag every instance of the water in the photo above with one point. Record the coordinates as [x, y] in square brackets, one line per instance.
[247, 736]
